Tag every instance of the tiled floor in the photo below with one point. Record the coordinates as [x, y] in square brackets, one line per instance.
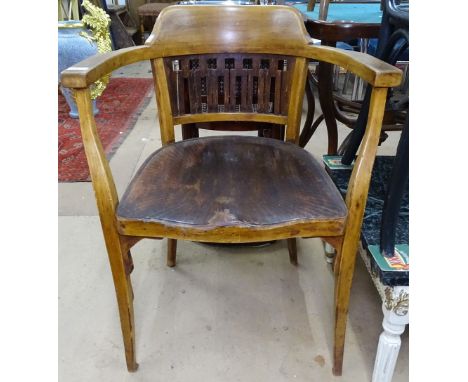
[223, 314]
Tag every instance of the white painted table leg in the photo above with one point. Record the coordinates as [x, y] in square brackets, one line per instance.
[329, 253]
[395, 309]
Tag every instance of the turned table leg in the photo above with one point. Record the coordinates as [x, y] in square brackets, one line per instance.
[396, 317]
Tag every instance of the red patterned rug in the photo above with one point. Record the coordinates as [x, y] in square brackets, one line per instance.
[119, 108]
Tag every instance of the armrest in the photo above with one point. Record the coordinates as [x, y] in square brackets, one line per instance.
[374, 71]
[88, 71]
[371, 69]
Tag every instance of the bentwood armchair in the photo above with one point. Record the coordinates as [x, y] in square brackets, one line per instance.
[247, 64]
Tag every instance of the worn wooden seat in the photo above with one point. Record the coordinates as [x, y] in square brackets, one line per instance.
[237, 184]
[248, 64]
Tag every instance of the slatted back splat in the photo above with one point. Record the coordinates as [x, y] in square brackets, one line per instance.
[229, 83]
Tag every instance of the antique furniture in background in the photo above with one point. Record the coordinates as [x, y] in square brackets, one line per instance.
[385, 231]
[346, 21]
[248, 64]
[150, 10]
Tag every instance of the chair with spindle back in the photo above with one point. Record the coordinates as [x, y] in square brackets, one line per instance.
[249, 64]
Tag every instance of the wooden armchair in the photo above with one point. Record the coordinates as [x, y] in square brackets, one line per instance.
[248, 64]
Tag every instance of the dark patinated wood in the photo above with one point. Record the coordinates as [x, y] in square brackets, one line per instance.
[201, 184]
[341, 30]
[229, 83]
[246, 189]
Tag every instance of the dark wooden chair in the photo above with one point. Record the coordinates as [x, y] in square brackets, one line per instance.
[248, 64]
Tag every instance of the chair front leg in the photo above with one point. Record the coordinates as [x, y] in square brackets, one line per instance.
[343, 281]
[121, 267]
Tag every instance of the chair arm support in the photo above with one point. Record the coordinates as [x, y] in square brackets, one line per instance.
[372, 70]
[88, 71]
[103, 182]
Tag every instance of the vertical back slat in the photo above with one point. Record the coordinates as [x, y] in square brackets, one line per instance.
[212, 82]
[285, 83]
[184, 66]
[203, 75]
[193, 92]
[262, 107]
[277, 100]
[227, 87]
[249, 90]
[255, 81]
[271, 90]
[244, 87]
[232, 90]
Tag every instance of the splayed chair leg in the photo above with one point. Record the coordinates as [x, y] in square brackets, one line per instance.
[121, 267]
[171, 252]
[343, 280]
[292, 248]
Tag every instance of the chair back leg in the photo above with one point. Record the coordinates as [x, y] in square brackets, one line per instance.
[292, 248]
[171, 252]
[121, 266]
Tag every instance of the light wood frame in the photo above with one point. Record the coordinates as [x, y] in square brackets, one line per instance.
[269, 30]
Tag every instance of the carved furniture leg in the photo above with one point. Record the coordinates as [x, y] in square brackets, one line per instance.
[171, 252]
[292, 248]
[395, 309]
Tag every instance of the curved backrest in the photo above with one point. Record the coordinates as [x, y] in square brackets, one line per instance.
[202, 29]
[229, 63]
